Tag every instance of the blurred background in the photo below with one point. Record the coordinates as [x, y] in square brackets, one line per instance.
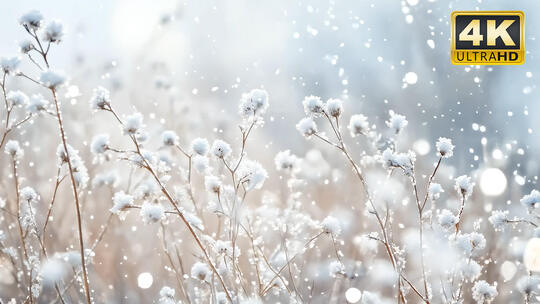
[184, 57]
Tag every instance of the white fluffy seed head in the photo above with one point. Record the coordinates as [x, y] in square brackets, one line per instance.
[307, 126]
[200, 271]
[464, 186]
[212, 183]
[31, 19]
[200, 146]
[121, 200]
[358, 125]
[483, 292]
[53, 31]
[99, 144]
[253, 104]
[52, 79]
[531, 200]
[37, 104]
[14, 149]
[396, 122]
[101, 99]
[447, 219]
[286, 161]
[169, 138]
[313, 105]
[331, 226]
[334, 107]
[28, 194]
[498, 219]
[445, 148]
[10, 65]
[221, 149]
[17, 98]
[133, 123]
[152, 213]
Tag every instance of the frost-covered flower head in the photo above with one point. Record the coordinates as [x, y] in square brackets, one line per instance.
[498, 219]
[396, 122]
[53, 31]
[286, 161]
[10, 65]
[25, 46]
[471, 242]
[313, 105]
[28, 194]
[464, 186]
[200, 271]
[37, 104]
[152, 213]
[470, 269]
[101, 99]
[251, 174]
[53, 271]
[16, 98]
[221, 149]
[531, 200]
[169, 138]
[224, 247]
[447, 219]
[334, 107]
[133, 123]
[14, 149]
[483, 293]
[331, 225]
[405, 161]
[435, 191]
[166, 295]
[336, 268]
[200, 146]
[200, 163]
[529, 285]
[109, 178]
[32, 20]
[358, 125]
[253, 103]
[212, 183]
[307, 126]
[100, 144]
[121, 200]
[52, 79]
[445, 148]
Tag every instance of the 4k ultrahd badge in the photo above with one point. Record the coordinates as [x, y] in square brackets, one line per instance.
[487, 37]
